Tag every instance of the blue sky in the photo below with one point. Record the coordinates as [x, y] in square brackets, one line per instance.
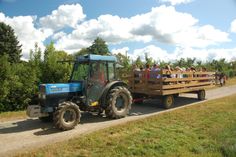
[165, 29]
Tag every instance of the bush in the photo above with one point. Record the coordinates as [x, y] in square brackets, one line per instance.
[17, 85]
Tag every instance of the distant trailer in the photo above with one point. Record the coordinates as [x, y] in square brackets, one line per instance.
[168, 85]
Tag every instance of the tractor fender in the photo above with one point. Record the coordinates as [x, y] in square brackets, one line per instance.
[107, 88]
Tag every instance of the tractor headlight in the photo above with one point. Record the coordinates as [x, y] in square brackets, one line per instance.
[42, 96]
[42, 92]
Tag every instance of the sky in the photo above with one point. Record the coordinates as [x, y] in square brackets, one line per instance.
[164, 29]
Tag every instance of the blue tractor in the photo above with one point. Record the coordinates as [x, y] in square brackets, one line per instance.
[93, 86]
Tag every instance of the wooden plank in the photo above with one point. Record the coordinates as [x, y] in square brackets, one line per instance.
[140, 85]
[184, 90]
[147, 92]
[184, 85]
[204, 73]
[188, 73]
[187, 79]
[155, 86]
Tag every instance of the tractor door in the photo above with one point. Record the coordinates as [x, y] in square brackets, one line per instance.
[96, 82]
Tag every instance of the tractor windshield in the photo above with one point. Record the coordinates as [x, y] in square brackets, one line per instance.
[80, 71]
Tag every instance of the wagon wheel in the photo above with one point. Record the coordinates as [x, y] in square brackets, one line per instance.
[167, 101]
[201, 95]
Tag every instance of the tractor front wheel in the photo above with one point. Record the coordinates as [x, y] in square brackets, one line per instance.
[119, 102]
[67, 116]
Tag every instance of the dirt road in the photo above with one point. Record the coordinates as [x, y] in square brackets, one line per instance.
[23, 135]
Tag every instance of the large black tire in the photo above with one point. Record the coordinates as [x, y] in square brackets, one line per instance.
[201, 95]
[46, 119]
[167, 101]
[67, 116]
[119, 102]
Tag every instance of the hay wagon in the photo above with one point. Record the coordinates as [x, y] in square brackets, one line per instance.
[167, 85]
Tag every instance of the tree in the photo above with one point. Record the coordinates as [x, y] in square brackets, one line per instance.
[81, 52]
[17, 84]
[5, 72]
[36, 62]
[149, 60]
[9, 45]
[138, 62]
[52, 71]
[99, 47]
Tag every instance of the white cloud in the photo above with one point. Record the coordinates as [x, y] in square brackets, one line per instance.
[167, 25]
[176, 2]
[152, 51]
[65, 15]
[159, 54]
[26, 32]
[233, 26]
[123, 51]
[206, 54]
[163, 24]
[112, 29]
[58, 35]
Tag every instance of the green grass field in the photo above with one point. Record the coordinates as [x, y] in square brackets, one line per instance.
[231, 81]
[207, 129]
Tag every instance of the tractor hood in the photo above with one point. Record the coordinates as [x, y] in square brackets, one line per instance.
[59, 88]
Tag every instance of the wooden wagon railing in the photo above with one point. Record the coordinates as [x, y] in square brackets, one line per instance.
[161, 82]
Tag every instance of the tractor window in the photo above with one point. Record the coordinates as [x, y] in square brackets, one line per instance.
[98, 72]
[80, 72]
[111, 71]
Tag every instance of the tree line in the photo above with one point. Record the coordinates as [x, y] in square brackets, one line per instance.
[19, 80]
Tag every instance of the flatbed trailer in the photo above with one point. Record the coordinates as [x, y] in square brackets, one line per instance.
[162, 84]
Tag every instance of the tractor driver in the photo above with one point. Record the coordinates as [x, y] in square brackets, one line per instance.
[98, 73]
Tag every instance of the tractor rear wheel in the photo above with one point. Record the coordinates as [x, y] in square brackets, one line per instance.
[201, 95]
[67, 116]
[167, 101]
[119, 102]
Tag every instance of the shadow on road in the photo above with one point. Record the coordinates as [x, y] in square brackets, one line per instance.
[154, 105]
[149, 106]
[23, 125]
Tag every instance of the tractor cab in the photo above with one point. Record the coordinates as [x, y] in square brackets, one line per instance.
[94, 72]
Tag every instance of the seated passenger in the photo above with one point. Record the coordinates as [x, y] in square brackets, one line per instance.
[167, 71]
[155, 69]
[147, 72]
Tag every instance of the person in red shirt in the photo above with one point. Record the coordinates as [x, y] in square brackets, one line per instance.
[147, 71]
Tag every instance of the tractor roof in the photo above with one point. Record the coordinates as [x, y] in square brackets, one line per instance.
[91, 57]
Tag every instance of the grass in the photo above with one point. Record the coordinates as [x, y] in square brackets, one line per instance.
[7, 116]
[207, 129]
[231, 81]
